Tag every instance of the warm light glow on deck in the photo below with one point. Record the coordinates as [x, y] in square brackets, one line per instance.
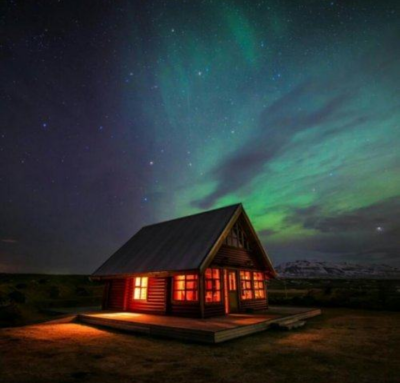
[122, 315]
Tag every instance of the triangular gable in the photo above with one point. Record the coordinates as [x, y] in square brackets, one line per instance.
[255, 243]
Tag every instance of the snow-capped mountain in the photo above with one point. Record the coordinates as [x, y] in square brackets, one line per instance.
[316, 269]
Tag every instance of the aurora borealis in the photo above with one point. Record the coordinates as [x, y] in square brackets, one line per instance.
[117, 116]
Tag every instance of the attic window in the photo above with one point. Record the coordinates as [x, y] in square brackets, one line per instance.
[237, 238]
[213, 285]
[185, 288]
[140, 288]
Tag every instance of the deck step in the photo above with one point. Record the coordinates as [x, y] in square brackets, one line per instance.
[290, 326]
[289, 321]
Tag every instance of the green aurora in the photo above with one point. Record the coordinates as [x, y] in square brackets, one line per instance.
[293, 111]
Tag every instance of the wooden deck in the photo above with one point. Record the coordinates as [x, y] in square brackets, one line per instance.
[211, 330]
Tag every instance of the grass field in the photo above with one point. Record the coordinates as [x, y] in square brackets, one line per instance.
[29, 298]
[342, 345]
[376, 294]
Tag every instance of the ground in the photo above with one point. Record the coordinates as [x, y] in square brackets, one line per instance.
[30, 298]
[342, 345]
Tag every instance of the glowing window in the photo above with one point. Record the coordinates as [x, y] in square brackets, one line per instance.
[212, 279]
[140, 288]
[185, 288]
[232, 281]
[258, 283]
[246, 285]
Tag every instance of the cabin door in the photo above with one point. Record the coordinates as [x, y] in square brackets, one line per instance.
[231, 291]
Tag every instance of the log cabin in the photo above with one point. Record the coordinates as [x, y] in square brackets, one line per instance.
[203, 265]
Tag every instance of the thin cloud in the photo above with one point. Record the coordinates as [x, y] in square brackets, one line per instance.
[8, 240]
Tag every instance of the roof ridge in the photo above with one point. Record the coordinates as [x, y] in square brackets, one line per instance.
[193, 215]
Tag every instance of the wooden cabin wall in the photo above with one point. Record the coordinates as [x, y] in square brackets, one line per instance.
[214, 310]
[253, 305]
[191, 310]
[115, 290]
[228, 256]
[156, 297]
[119, 293]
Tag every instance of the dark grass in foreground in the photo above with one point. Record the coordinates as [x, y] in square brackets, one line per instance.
[342, 345]
[29, 298]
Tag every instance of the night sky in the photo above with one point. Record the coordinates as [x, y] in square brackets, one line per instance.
[119, 114]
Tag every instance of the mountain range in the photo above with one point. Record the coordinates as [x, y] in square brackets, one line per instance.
[319, 269]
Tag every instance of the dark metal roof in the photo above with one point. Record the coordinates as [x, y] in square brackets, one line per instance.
[179, 244]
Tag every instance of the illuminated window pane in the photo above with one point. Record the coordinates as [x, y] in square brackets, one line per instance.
[140, 289]
[179, 285]
[185, 288]
[232, 281]
[191, 285]
[259, 290]
[212, 285]
[259, 294]
[258, 276]
[190, 296]
[246, 285]
[179, 295]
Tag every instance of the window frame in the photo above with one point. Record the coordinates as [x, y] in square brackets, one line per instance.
[213, 289]
[237, 235]
[259, 282]
[246, 281]
[185, 280]
[140, 287]
[233, 281]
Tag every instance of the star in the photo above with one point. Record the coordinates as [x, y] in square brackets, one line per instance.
[151, 163]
